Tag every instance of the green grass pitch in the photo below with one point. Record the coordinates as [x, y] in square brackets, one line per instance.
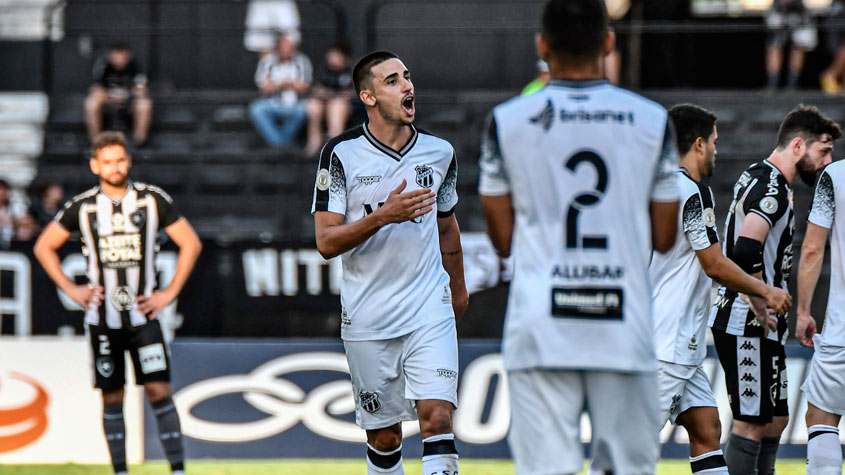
[322, 467]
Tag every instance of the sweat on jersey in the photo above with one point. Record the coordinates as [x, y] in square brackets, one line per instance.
[681, 288]
[119, 239]
[394, 282]
[829, 198]
[582, 161]
[762, 190]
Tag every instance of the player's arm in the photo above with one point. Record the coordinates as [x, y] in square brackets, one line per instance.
[726, 272]
[453, 261]
[184, 236]
[809, 268]
[51, 239]
[748, 254]
[664, 225]
[664, 205]
[499, 212]
[334, 237]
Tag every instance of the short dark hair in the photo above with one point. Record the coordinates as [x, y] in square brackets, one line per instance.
[4, 184]
[119, 47]
[691, 122]
[808, 123]
[362, 68]
[575, 29]
[107, 139]
[343, 46]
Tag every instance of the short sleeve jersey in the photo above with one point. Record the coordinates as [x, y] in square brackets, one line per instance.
[828, 200]
[681, 288]
[119, 239]
[581, 161]
[394, 282]
[760, 190]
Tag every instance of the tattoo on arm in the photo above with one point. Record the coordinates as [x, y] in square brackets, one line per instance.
[451, 253]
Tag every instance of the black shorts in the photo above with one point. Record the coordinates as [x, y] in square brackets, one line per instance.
[755, 376]
[144, 343]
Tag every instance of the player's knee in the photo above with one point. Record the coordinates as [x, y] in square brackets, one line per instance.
[156, 392]
[386, 440]
[438, 421]
[706, 432]
[113, 397]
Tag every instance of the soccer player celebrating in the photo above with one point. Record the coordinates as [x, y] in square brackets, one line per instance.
[681, 293]
[580, 179]
[760, 225]
[825, 383]
[403, 279]
[119, 222]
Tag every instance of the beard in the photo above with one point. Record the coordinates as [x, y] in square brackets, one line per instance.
[806, 170]
[117, 183]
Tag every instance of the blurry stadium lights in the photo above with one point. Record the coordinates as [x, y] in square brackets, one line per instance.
[617, 9]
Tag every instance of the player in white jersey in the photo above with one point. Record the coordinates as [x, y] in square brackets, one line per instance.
[824, 386]
[119, 222]
[759, 239]
[403, 279]
[580, 177]
[681, 280]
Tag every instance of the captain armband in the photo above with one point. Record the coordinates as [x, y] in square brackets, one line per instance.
[748, 254]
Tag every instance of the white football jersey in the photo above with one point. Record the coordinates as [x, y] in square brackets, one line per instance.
[394, 282]
[829, 199]
[681, 289]
[582, 161]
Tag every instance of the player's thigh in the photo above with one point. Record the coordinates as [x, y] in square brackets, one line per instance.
[824, 385]
[624, 413]
[697, 392]
[671, 386]
[430, 362]
[546, 408]
[748, 377]
[378, 383]
[107, 347]
[150, 355]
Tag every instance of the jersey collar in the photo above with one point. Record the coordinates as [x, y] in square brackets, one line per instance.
[387, 150]
[578, 84]
[129, 187]
[685, 172]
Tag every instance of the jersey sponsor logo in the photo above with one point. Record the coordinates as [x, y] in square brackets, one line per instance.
[747, 345]
[772, 186]
[588, 272]
[597, 116]
[693, 343]
[123, 298]
[747, 362]
[769, 205]
[369, 401]
[425, 176]
[447, 373]
[749, 393]
[324, 179]
[587, 303]
[369, 180]
[709, 217]
[105, 366]
[120, 250]
[748, 378]
[545, 117]
[152, 358]
[369, 209]
[447, 295]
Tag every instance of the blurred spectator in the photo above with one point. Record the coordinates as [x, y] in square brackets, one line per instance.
[831, 78]
[48, 200]
[120, 85]
[283, 77]
[8, 214]
[265, 20]
[330, 97]
[26, 227]
[788, 20]
[540, 81]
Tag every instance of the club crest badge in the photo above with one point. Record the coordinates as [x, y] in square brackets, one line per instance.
[105, 366]
[123, 298]
[425, 176]
[139, 217]
[369, 401]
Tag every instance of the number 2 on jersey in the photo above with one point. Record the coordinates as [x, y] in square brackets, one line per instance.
[584, 201]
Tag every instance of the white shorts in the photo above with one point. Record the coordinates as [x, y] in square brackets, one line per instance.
[546, 409]
[682, 387]
[389, 376]
[825, 382]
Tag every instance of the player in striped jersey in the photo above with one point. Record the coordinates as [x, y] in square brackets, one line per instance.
[824, 386]
[759, 239]
[681, 280]
[119, 223]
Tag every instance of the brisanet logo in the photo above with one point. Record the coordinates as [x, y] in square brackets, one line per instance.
[23, 411]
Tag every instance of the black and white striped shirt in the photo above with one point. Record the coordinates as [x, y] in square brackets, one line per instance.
[119, 241]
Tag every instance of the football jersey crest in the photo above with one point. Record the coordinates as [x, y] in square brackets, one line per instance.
[425, 176]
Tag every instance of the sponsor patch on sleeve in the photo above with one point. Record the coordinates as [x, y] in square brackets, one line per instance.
[587, 303]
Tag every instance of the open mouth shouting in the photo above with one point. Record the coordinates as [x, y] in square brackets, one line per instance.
[408, 104]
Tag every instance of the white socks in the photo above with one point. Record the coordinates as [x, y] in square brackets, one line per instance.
[824, 454]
